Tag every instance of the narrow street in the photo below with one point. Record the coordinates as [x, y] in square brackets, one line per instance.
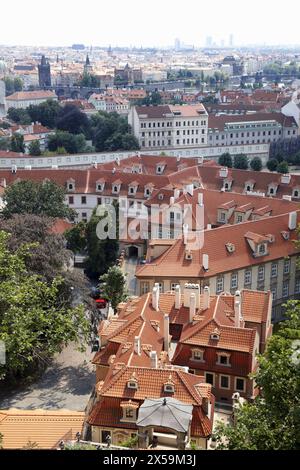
[66, 384]
[129, 269]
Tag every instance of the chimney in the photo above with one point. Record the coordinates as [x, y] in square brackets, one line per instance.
[205, 262]
[192, 312]
[153, 358]
[185, 228]
[176, 193]
[166, 333]
[200, 199]
[292, 220]
[223, 172]
[137, 345]
[237, 310]
[188, 290]
[177, 297]
[155, 297]
[206, 298]
[3, 182]
[172, 200]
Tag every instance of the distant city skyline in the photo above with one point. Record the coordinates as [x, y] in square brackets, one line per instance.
[126, 24]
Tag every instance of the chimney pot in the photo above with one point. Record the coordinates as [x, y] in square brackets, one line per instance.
[153, 357]
[177, 297]
[137, 345]
[237, 310]
[206, 298]
[166, 333]
[192, 307]
[155, 297]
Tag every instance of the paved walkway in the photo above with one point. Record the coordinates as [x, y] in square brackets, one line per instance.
[129, 269]
[66, 384]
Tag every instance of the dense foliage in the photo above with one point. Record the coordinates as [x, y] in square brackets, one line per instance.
[34, 323]
[106, 131]
[113, 286]
[39, 198]
[272, 421]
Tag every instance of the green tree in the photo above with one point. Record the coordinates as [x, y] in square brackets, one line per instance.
[70, 142]
[19, 116]
[272, 164]
[72, 120]
[48, 255]
[18, 84]
[130, 142]
[39, 198]
[256, 164]
[225, 160]
[46, 113]
[34, 325]
[35, 148]
[113, 286]
[17, 143]
[272, 421]
[283, 167]
[101, 253]
[4, 144]
[76, 237]
[241, 162]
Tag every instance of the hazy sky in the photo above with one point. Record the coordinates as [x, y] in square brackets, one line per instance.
[153, 23]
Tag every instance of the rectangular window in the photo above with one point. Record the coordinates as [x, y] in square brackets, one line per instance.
[144, 288]
[197, 355]
[239, 384]
[224, 381]
[83, 199]
[234, 281]
[173, 286]
[261, 274]
[286, 266]
[248, 278]
[274, 293]
[129, 413]
[71, 200]
[223, 360]
[297, 286]
[274, 270]
[285, 289]
[220, 285]
[105, 435]
[210, 378]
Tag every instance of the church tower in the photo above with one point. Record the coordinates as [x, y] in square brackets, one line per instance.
[87, 66]
[44, 73]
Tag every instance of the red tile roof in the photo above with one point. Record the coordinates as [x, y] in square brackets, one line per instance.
[173, 264]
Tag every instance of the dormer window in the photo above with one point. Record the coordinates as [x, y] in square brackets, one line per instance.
[272, 188]
[100, 186]
[223, 359]
[222, 217]
[215, 335]
[133, 383]
[71, 185]
[262, 249]
[296, 192]
[197, 355]
[132, 188]
[129, 411]
[115, 189]
[169, 386]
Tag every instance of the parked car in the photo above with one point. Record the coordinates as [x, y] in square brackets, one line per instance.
[101, 303]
